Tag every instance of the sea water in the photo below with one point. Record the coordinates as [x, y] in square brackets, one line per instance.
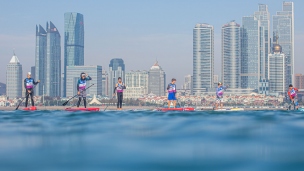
[152, 141]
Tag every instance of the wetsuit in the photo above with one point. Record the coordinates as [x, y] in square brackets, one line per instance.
[29, 85]
[171, 91]
[292, 94]
[119, 90]
[81, 86]
[220, 93]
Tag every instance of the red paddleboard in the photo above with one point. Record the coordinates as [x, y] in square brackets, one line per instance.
[30, 108]
[90, 109]
[176, 109]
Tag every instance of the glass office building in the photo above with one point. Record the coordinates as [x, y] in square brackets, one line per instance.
[40, 58]
[137, 84]
[231, 54]
[14, 81]
[157, 80]
[53, 62]
[73, 41]
[203, 58]
[250, 52]
[116, 69]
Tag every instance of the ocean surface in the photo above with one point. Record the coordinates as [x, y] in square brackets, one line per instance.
[152, 141]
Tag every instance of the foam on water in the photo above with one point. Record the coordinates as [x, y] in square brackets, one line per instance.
[148, 140]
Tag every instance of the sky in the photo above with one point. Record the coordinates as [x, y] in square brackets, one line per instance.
[138, 31]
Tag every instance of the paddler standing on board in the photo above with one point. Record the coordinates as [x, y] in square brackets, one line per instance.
[292, 93]
[118, 90]
[81, 88]
[172, 93]
[29, 83]
[219, 95]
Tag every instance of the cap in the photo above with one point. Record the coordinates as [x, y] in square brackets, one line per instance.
[219, 83]
[29, 73]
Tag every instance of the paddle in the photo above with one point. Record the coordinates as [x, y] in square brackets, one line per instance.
[27, 94]
[109, 103]
[65, 103]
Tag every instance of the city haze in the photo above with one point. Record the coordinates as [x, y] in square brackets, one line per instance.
[138, 32]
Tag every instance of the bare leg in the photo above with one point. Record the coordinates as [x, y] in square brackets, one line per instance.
[169, 103]
[216, 106]
[222, 105]
[174, 103]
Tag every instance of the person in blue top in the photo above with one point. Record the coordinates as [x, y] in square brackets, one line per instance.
[81, 88]
[219, 95]
[172, 93]
[29, 83]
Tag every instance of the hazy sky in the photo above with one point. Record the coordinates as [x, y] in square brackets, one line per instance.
[138, 31]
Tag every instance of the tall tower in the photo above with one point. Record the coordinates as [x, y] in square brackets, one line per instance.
[40, 58]
[73, 42]
[53, 62]
[264, 17]
[250, 52]
[116, 69]
[14, 78]
[283, 26]
[157, 80]
[203, 58]
[231, 54]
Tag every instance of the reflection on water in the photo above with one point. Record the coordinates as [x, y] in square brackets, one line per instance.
[147, 140]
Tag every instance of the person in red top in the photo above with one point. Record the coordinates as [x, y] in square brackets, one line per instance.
[292, 93]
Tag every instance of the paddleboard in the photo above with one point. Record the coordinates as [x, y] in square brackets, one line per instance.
[90, 109]
[176, 109]
[30, 108]
[231, 109]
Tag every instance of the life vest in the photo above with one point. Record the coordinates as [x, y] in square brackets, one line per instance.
[29, 83]
[220, 91]
[82, 84]
[293, 93]
[172, 88]
[119, 88]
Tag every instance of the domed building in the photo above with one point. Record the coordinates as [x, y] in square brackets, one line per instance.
[277, 70]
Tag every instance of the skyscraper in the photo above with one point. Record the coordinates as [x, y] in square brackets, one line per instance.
[277, 70]
[53, 62]
[157, 80]
[264, 17]
[40, 58]
[231, 54]
[250, 52]
[105, 82]
[116, 69]
[203, 58]
[283, 27]
[14, 78]
[137, 84]
[299, 81]
[73, 74]
[73, 41]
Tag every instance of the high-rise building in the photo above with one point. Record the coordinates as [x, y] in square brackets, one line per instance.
[105, 82]
[73, 75]
[157, 80]
[277, 71]
[216, 79]
[299, 81]
[264, 17]
[231, 54]
[33, 72]
[188, 83]
[283, 27]
[14, 82]
[73, 42]
[250, 52]
[203, 58]
[116, 69]
[53, 62]
[40, 58]
[137, 84]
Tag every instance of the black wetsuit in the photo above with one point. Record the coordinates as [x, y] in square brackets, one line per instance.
[29, 85]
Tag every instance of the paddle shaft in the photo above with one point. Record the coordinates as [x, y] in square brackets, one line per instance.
[65, 103]
[27, 94]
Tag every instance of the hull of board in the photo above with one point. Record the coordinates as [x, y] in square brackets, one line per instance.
[232, 109]
[176, 109]
[30, 108]
[90, 109]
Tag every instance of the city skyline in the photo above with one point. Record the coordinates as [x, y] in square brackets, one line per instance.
[166, 57]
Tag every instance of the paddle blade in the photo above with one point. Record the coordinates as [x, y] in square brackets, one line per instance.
[65, 103]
